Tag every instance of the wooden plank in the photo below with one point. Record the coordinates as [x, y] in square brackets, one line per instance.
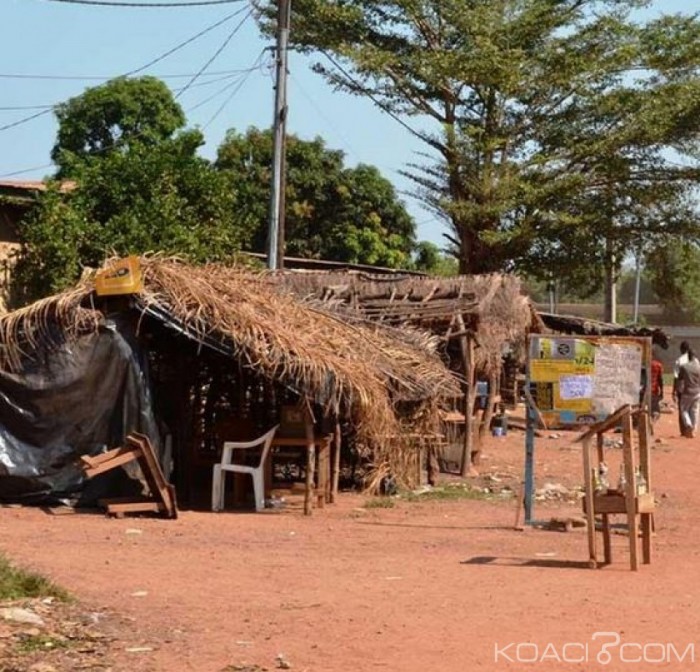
[646, 537]
[603, 426]
[590, 508]
[310, 465]
[135, 507]
[335, 470]
[123, 458]
[95, 460]
[607, 545]
[630, 494]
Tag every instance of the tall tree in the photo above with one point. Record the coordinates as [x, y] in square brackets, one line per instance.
[674, 271]
[332, 212]
[502, 92]
[112, 116]
[151, 198]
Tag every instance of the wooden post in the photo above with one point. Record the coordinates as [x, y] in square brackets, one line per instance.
[490, 403]
[630, 489]
[590, 505]
[335, 476]
[310, 465]
[607, 546]
[466, 343]
[645, 468]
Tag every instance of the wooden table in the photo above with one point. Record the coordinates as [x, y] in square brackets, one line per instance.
[318, 461]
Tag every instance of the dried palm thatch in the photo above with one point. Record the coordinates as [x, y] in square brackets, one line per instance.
[361, 370]
[493, 307]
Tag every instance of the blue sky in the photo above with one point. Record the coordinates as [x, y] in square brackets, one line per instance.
[56, 39]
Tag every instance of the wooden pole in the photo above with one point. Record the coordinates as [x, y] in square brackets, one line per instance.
[337, 445]
[467, 348]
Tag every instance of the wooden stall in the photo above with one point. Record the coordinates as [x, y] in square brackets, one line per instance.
[633, 496]
[475, 319]
[224, 349]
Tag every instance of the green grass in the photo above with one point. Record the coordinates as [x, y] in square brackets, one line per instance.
[380, 503]
[449, 492]
[34, 643]
[17, 584]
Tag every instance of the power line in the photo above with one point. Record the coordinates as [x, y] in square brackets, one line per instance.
[209, 82]
[31, 117]
[186, 42]
[213, 73]
[216, 54]
[246, 71]
[372, 97]
[229, 98]
[28, 170]
[114, 3]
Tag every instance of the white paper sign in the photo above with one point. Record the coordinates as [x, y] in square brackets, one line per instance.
[617, 376]
[576, 387]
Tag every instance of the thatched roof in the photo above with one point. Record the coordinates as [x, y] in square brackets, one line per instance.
[362, 369]
[571, 324]
[493, 307]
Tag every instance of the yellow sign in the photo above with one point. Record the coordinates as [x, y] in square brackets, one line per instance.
[121, 277]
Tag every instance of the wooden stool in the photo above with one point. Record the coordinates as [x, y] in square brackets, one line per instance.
[637, 506]
[138, 448]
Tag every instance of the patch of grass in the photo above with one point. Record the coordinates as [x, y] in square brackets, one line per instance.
[34, 643]
[448, 492]
[16, 584]
[380, 503]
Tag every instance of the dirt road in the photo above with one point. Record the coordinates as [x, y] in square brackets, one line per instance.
[436, 586]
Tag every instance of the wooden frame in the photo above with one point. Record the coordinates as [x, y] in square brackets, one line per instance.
[638, 507]
[138, 448]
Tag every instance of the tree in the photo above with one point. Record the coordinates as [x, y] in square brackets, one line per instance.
[332, 212]
[523, 106]
[113, 116]
[159, 197]
[674, 271]
[429, 258]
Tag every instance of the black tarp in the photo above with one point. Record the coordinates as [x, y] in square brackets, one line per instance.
[79, 397]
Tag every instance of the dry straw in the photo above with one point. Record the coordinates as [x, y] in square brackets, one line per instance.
[360, 370]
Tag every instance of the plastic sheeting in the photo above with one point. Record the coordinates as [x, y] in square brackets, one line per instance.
[81, 398]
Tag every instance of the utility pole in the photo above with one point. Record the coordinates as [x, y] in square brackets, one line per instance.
[275, 250]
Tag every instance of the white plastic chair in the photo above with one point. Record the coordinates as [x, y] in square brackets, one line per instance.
[218, 484]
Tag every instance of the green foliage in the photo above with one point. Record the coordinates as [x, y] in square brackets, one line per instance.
[429, 258]
[113, 116]
[150, 198]
[674, 270]
[550, 121]
[17, 584]
[332, 212]
[380, 503]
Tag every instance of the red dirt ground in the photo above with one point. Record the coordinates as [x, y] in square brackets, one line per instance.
[418, 587]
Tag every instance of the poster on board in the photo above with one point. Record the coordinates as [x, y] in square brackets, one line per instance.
[582, 380]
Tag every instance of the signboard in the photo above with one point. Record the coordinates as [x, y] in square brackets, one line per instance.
[582, 380]
[121, 277]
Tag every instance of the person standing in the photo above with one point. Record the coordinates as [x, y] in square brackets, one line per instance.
[657, 385]
[689, 394]
[683, 359]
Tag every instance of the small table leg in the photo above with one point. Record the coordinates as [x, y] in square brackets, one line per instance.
[310, 466]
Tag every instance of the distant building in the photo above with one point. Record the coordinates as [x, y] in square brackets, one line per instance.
[17, 197]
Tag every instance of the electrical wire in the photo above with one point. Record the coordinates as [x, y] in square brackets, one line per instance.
[107, 77]
[209, 82]
[246, 73]
[217, 53]
[230, 97]
[157, 5]
[36, 115]
[372, 97]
